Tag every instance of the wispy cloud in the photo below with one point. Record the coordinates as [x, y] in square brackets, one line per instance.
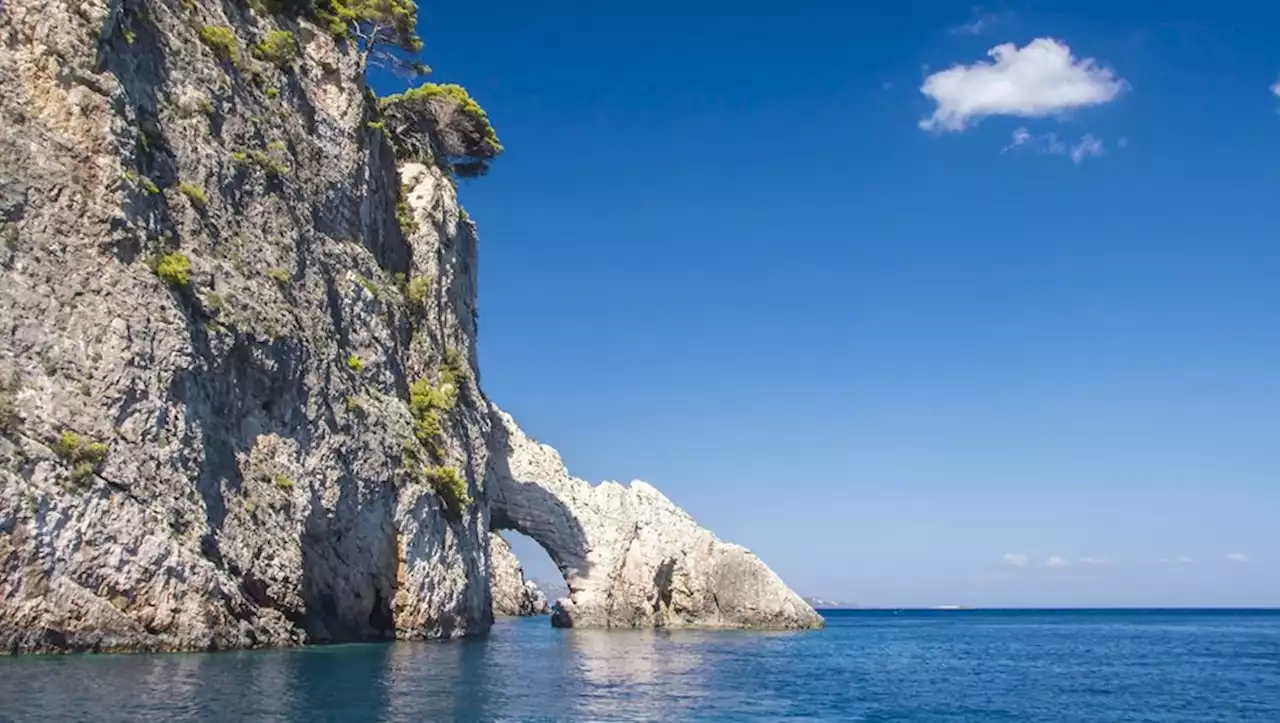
[978, 23]
[1095, 561]
[1238, 558]
[1051, 145]
[1045, 143]
[1056, 561]
[1015, 559]
[1089, 145]
[1039, 79]
[1276, 88]
[1184, 560]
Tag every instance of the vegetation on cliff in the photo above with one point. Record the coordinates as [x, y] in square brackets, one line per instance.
[434, 120]
[443, 118]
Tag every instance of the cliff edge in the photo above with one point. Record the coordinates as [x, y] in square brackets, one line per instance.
[238, 400]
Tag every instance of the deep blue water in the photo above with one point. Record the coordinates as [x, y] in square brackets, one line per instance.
[1095, 666]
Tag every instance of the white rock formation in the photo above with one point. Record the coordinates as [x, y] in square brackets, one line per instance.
[512, 593]
[630, 556]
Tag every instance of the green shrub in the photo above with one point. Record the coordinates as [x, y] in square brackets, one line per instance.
[426, 402]
[416, 292]
[221, 41]
[148, 185]
[189, 106]
[404, 216]
[354, 404]
[279, 47]
[280, 276]
[85, 457]
[369, 286]
[173, 268]
[395, 22]
[9, 420]
[452, 488]
[194, 193]
[273, 92]
[355, 363]
[454, 369]
[444, 116]
[283, 482]
[270, 162]
[214, 302]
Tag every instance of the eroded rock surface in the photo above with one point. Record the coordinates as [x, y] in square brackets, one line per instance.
[513, 595]
[630, 556]
[218, 288]
[236, 473]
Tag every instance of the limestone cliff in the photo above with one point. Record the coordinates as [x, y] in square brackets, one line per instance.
[512, 594]
[238, 406]
[206, 346]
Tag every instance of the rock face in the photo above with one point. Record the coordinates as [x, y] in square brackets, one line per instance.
[513, 595]
[238, 406]
[229, 461]
[631, 558]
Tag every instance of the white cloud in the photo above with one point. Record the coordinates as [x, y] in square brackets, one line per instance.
[978, 22]
[1090, 145]
[1238, 557]
[1094, 561]
[1015, 559]
[1050, 144]
[1046, 143]
[1056, 561]
[1123, 142]
[1276, 88]
[1040, 79]
[1184, 560]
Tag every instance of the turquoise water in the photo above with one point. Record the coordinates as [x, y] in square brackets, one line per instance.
[1094, 666]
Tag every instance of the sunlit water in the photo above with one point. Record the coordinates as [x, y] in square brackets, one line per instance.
[1094, 666]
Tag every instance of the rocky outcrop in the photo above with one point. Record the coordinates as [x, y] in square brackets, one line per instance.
[238, 406]
[206, 346]
[631, 558]
[513, 595]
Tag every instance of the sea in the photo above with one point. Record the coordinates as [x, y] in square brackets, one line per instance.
[1099, 666]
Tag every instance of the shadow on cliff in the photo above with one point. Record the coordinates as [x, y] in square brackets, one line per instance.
[568, 546]
[343, 602]
[233, 398]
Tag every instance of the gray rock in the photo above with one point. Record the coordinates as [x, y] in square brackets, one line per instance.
[227, 459]
[631, 557]
[255, 488]
[513, 595]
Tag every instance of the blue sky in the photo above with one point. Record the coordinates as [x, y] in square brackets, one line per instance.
[909, 320]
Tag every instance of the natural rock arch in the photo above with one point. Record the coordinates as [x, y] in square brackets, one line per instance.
[630, 557]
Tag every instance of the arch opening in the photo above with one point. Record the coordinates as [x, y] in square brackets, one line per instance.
[537, 564]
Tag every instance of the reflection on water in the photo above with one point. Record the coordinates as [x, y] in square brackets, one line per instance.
[978, 667]
[635, 673]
